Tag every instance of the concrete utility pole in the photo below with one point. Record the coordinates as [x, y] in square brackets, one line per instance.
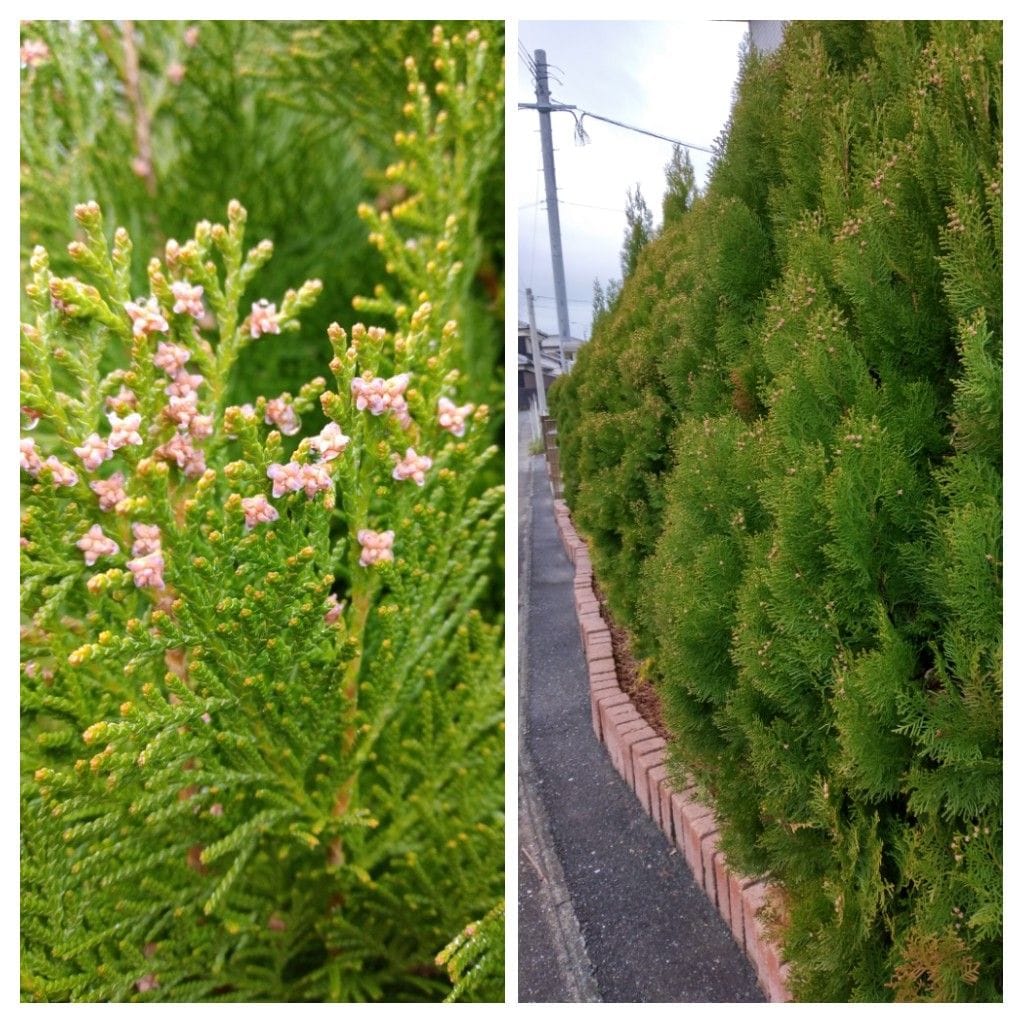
[538, 366]
[551, 195]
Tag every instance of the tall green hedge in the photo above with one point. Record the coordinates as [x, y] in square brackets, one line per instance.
[784, 441]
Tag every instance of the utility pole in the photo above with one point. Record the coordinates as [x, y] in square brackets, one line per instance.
[551, 195]
[538, 366]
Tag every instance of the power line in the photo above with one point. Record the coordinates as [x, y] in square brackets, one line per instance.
[585, 206]
[554, 108]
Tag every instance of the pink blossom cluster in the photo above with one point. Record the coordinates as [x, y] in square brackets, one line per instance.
[380, 396]
[281, 414]
[452, 417]
[412, 467]
[182, 407]
[125, 398]
[34, 52]
[110, 491]
[187, 298]
[179, 449]
[334, 610]
[184, 384]
[30, 461]
[147, 567]
[264, 319]
[94, 544]
[146, 318]
[63, 476]
[294, 476]
[258, 510]
[376, 547]
[329, 443]
[124, 430]
[95, 450]
[171, 358]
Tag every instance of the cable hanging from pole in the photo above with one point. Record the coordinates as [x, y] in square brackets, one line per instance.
[581, 134]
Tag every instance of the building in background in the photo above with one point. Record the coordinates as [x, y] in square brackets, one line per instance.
[550, 358]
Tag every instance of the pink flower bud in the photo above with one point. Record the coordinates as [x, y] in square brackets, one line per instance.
[184, 384]
[258, 510]
[94, 544]
[146, 317]
[187, 298]
[110, 491]
[283, 416]
[30, 461]
[94, 451]
[315, 478]
[334, 610]
[147, 539]
[330, 442]
[452, 417]
[285, 478]
[63, 476]
[33, 53]
[148, 570]
[171, 358]
[412, 467]
[376, 546]
[263, 319]
[124, 431]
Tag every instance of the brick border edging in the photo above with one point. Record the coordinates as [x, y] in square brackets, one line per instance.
[638, 755]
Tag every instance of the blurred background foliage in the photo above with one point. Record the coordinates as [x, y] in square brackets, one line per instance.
[162, 122]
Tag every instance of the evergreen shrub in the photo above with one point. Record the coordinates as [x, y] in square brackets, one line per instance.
[796, 502]
[261, 678]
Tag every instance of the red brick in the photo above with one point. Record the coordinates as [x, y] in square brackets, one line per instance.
[593, 625]
[612, 717]
[722, 886]
[599, 650]
[665, 799]
[614, 725]
[764, 955]
[778, 986]
[600, 680]
[687, 810]
[708, 849]
[657, 774]
[641, 767]
[601, 665]
[695, 828]
[598, 700]
[639, 750]
[630, 734]
[738, 884]
[678, 802]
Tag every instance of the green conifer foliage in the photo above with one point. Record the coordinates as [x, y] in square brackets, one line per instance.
[820, 591]
[262, 702]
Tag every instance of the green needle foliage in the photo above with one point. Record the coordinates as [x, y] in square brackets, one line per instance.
[262, 700]
[785, 445]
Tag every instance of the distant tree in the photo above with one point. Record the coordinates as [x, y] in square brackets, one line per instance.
[680, 185]
[639, 230]
[600, 305]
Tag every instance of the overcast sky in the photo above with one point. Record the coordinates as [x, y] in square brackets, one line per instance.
[673, 78]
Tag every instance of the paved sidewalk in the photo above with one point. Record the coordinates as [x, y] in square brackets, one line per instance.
[608, 911]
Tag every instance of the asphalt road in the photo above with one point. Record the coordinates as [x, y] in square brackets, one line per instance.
[608, 911]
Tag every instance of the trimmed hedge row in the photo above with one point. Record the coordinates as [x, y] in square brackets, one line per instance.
[784, 442]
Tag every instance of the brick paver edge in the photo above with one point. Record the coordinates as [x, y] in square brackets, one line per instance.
[638, 755]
